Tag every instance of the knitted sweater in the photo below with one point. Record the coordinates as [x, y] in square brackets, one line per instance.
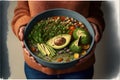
[26, 10]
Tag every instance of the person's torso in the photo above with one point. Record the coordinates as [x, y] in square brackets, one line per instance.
[82, 8]
[39, 6]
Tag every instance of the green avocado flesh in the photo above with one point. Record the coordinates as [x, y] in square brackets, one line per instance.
[46, 50]
[84, 36]
[74, 46]
[59, 41]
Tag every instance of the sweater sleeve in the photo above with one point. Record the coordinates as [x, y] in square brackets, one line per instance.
[96, 15]
[21, 16]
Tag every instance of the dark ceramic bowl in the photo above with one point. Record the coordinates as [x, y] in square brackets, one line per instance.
[57, 12]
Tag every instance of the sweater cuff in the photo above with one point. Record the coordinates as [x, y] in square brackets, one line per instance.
[19, 23]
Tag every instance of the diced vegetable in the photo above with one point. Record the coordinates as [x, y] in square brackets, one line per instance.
[59, 59]
[83, 53]
[71, 32]
[76, 55]
[62, 18]
[86, 46]
[72, 28]
[33, 49]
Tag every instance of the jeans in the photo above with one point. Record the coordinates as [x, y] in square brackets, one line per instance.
[34, 74]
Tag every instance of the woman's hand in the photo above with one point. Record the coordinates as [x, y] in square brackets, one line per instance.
[96, 39]
[97, 33]
[21, 35]
[97, 36]
[21, 38]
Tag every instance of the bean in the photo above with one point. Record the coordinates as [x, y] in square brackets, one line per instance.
[65, 48]
[60, 52]
[67, 60]
[82, 26]
[76, 55]
[68, 50]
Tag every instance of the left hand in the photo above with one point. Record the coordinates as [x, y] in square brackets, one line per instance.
[96, 39]
[97, 34]
[21, 38]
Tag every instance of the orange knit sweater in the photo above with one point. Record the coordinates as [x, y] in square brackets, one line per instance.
[26, 10]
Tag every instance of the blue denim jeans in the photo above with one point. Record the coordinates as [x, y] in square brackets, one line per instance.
[34, 74]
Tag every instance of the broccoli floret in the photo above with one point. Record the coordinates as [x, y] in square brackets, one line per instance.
[74, 46]
[84, 35]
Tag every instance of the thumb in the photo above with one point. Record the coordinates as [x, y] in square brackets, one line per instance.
[20, 34]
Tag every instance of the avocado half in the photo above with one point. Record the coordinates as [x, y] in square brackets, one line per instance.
[59, 41]
[74, 46]
[84, 36]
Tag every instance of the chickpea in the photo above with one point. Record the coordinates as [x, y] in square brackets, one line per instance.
[59, 59]
[76, 55]
[83, 53]
[86, 46]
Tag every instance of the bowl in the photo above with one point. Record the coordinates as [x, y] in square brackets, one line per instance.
[57, 12]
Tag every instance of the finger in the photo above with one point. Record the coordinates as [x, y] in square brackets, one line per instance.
[39, 64]
[89, 54]
[32, 59]
[23, 45]
[26, 51]
[20, 34]
[97, 33]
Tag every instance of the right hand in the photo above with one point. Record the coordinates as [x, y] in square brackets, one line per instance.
[21, 38]
[21, 35]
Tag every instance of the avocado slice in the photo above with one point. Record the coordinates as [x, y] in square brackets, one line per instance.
[84, 36]
[59, 41]
[74, 46]
[45, 49]
[40, 48]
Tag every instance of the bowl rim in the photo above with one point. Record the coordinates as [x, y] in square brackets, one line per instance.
[45, 11]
